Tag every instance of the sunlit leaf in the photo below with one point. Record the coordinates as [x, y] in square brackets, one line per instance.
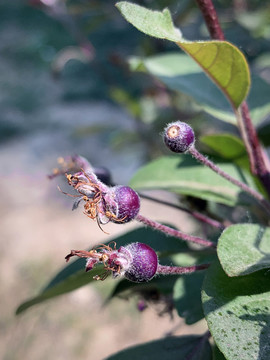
[154, 23]
[237, 313]
[244, 248]
[220, 60]
[180, 73]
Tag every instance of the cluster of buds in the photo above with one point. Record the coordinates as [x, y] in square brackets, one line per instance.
[136, 262]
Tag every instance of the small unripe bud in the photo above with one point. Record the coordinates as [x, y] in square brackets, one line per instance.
[123, 202]
[179, 136]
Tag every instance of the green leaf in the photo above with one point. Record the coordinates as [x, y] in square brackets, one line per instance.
[244, 249]
[185, 175]
[225, 65]
[237, 313]
[171, 348]
[180, 73]
[74, 276]
[70, 278]
[227, 146]
[221, 61]
[187, 297]
[154, 23]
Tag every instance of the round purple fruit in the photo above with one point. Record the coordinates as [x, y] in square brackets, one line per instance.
[143, 262]
[123, 203]
[179, 136]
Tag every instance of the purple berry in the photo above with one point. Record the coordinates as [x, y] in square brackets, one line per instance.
[123, 203]
[179, 137]
[142, 264]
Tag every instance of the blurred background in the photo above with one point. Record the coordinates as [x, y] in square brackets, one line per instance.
[65, 89]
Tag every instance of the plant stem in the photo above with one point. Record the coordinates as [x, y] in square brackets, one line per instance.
[175, 270]
[211, 19]
[257, 163]
[202, 159]
[173, 232]
[259, 167]
[201, 217]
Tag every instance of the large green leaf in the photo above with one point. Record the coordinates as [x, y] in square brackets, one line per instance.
[185, 175]
[170, 348]
[244, 248]
[180, 73]
[225, 145]
[220, 60]
[70, 278]
[73, 275]
[187, 297]
[237, 313]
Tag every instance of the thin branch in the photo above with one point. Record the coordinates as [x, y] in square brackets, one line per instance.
[201, 217]
[173, 232]
[260, 168]
[202, 159]
[178, 270]
[211, 19]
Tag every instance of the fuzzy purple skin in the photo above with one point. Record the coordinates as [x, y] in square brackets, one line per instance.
[128, 204]
[144, 263]
[179, 137]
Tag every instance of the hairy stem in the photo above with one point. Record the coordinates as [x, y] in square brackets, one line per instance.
[201, 158]
[197, 215]
[259, 167]
[257, 163]
[175, 233]
[174, 270]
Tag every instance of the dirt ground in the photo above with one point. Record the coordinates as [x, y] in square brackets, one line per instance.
[38, 229]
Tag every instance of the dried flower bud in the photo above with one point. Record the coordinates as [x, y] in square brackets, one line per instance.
[179, 137]
[137, 262]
